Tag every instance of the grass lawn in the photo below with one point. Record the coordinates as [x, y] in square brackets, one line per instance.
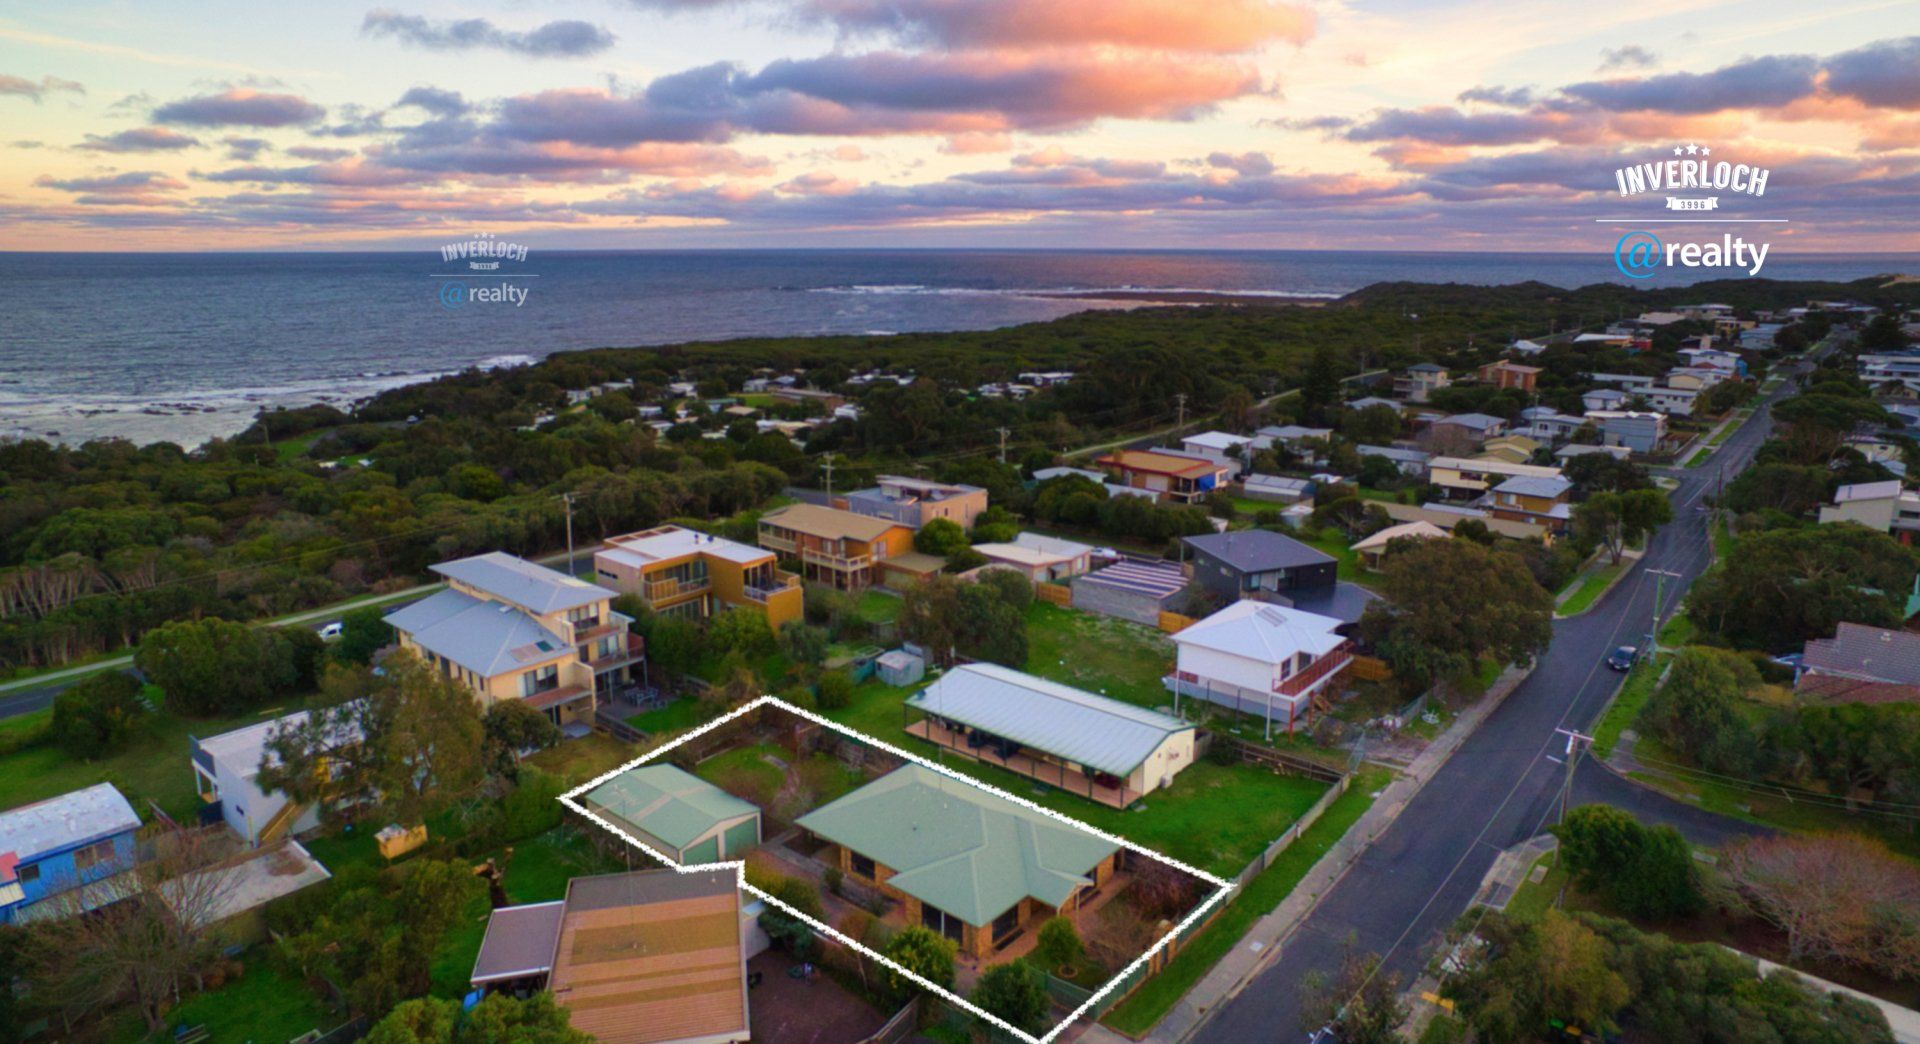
[680, 714]
[287, 449]
[746, 772]
[1532, 900]
[1157, 996]
[579, 760]
[1592, 586]
[262, 1005]
[1100, 654]
[1214, 817]
[1726, 432]
[1333, 542]
[153, 767]
[1620, 714]
[1700, 456]
[878, 607]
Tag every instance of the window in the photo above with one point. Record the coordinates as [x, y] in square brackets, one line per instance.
[1006, 924]
[862, 866]
[93, 855]
[29, 874]
[540, 679]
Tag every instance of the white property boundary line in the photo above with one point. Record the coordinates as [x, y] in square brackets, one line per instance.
[1223, 888]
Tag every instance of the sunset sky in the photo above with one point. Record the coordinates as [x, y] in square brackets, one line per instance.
[1422, 125]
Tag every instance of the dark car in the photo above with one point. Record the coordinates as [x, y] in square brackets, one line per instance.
[1621, 659]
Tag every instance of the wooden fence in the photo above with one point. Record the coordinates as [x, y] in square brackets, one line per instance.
[1279, 760]
[1174, 623]
[901, 1026]
[1368, 668]
[1054, 594]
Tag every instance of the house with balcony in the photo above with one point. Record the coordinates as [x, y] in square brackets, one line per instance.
[66, 848]
[838, 548]
[1267, 566]
[1172, 479]
[1268, 661]
[677, 571]
[1463, 478]
[1542, 500]
[226, 771]
[1411, 462]
[963, 861]
[915, 502]
[1418, 382]
[1640, 431]
[1885, 506]
[1505, 374]
[508, 629]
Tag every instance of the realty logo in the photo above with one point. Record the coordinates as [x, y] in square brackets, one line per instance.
[1640, 254]
[483, 256]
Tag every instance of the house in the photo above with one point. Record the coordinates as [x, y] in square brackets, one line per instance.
[1708, 312]
[1465, 478]
[1660, 318]
[1411, 462]
[915, 502]
[1627, 382]
[755, 385]
[1515, 449]
[1370, 401]
[1270, 661]
[1505, 374]
[64, 846]
[1279, 489]
[1880, 370]
[1677, 402]
[1480, 426]
[225, 771]
[1609, 339]
[1706, 358]
[1268, 566]
[1604, 399]
[1417, 382]
[1447, 516]
[646, 957]
[1047, 378]
[1173, 479]
[1542, 500]
[1637, 430]
[965, 862]
[1527, 348]
[1040, 558]
[1548, 424]
[1373, 549]
[677, 814]
[1227, 450]
[1134, 589]
[1885, 506]
[826, 401]
[1861, 664]
[1109, 751]
[508, 629]
[1574, 449]
[683, 572]
[835, 547]
[1289, 435]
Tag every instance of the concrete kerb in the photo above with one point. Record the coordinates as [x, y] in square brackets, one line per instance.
[1235, 970]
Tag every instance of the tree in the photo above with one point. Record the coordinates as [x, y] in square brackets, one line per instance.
[983, 620]
[1606, 473]
[1320, 385]
[1452, 603]
[804, 644]
[409, 740]
[372, 937]
[1777, 588]
[155, 942]
[1016, 992]
[509, 727]
[423, 1020]
[834, 690]
[924, 952]
[363, 632]
[1361, 1004]
[1697, 710]
[1646, 872]
[783, 929]
[1614, 520]
[98, 715]
[1058, 944]
[940, 537]
[1525, 975]
[1839, 897]
[673, 644]
[214, 666]
[741, 630]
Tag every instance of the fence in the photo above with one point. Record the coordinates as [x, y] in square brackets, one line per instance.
[1174, 623]
[1279, 760]
[1293, 832]
[900, 1026]
[1054, 594]
[1368, 668]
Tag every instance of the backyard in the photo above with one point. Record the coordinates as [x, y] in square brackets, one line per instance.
[1102, 654]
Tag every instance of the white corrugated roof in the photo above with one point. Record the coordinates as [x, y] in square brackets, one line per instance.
[1078, 726]
[72, 819]
[1262, 631]
[658, 545]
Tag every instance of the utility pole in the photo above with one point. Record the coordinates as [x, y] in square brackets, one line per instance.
[1659, 596]
[1574, 749]
[568, 497]
[1003, 444]
[827, 464]
[1180, 405]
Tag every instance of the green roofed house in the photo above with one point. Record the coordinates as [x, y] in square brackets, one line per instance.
[678, 814]
[967, 863]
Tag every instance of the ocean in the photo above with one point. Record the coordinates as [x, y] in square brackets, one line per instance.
[186, 347]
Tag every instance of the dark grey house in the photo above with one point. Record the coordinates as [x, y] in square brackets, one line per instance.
[1268, 566]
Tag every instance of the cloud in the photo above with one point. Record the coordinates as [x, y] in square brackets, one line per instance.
[435, 100]
[139, 139]
[21, 87]
[970, 143]
[558, 39]
[1507, 97]
[240, 107]
[1445, 125]
[1886, 73]
[1217, 26]
[318, 154]
[1753, 83]
[1256, 164]
[1632, 56]
[245, 149]
[133, 188]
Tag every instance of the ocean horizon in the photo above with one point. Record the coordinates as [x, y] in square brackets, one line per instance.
[189, 346]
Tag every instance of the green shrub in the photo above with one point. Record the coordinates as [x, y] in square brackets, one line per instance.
[834, 691]
[97, 716]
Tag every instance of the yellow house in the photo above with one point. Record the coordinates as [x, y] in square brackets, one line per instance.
[508, 629]
[684, 572]
[1467, 478]
[835, 547]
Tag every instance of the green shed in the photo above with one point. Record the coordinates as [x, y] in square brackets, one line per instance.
[678, 814]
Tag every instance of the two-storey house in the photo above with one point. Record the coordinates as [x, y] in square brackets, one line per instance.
[683, 572]
[835, 547]
[62, 849]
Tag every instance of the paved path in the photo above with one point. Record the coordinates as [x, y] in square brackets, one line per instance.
[1498, 789]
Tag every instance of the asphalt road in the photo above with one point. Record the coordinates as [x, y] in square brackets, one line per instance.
[1501, 787]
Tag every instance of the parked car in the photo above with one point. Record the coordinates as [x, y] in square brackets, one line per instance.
[1621, 659]
[331, 632]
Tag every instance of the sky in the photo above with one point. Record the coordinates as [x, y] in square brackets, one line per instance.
[1248, 124]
